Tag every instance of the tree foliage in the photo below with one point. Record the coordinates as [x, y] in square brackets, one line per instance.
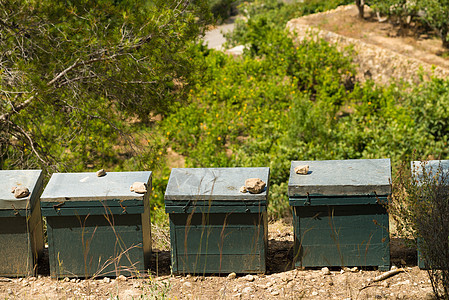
[437, 16]
[434, 13]
[74, 74]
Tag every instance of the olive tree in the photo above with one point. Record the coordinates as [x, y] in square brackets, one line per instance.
[75, 76]
[436, 15]
[361, 7]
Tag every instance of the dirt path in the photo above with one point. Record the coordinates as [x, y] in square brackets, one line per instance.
[381, 52]
[214, 38]
[414, 43]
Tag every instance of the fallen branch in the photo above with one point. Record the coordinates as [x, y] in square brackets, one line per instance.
[388, 274]
[368, 286]
[382, 277]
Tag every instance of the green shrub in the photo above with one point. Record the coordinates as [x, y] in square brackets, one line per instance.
[283, 101]
[223, 9]
[420, 207]
[260, 17]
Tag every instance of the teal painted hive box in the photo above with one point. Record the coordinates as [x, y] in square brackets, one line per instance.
[96, 226]
[214, 228]
[21, 233]
[338, 214]
[431, 168]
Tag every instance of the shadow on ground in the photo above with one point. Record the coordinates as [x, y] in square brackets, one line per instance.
[43, 265]
[279, 258]
[403, 252]
[160, 263]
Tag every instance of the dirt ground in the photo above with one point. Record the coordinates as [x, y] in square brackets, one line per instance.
[414, 42]
[282, 280]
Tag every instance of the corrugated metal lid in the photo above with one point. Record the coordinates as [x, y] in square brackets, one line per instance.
[87, 186]
[341, 177]
[214, 183]
[31, 179]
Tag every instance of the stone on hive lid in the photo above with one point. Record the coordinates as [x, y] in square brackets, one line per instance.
[138, 187]
[10, 180]
[89, 187]
[255, 185]
[101, 173]
[214, 184]
[21, 192]
[341, 177]
[302, 170]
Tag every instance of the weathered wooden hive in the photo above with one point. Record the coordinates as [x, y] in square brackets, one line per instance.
[215, 228]
[339, 217]
[96, 226]
[21, 232]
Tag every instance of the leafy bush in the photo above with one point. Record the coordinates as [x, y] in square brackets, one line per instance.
[261, 17]
[283, 101]
[223, 9]
[420, 207]
[280, 101]
[436, 15]
[433, 13]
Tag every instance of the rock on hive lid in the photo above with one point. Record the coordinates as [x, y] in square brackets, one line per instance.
[341, 177]
[214, 183]
[31, 179]
[88, 186]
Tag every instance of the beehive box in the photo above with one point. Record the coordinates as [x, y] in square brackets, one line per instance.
[21, 233]
[214, 228]
[339, 217]
[431, 168]
[96, 226]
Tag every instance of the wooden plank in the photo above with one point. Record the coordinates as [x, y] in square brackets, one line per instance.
[85, 246]
[351, 235]
[338, 200]
[215, 243]
[214, 209]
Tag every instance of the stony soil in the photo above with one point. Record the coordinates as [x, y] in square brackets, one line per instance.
[382, 50]
[281, 281]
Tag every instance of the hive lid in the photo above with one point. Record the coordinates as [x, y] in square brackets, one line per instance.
[214, 183]
[89, 187]
[31, 179]
[431, 167]
[341, 177]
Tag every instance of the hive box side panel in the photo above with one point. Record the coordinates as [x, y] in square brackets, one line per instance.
[341, 236]
[146, 231]
[36, 229]
[16, 257]
[87, 246]
[218, 243]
